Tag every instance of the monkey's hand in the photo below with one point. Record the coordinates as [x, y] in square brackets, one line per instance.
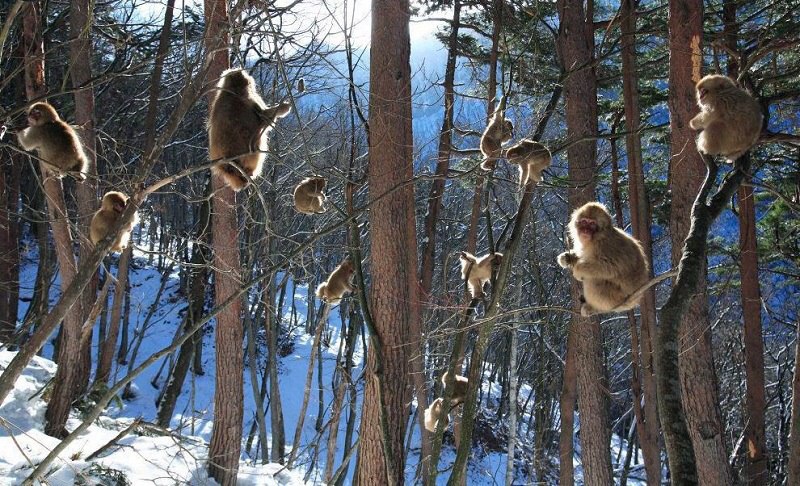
[567, 259]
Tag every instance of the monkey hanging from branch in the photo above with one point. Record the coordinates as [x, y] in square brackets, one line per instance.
[499, 131]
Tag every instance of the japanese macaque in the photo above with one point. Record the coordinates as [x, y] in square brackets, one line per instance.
[56, 142]
[532, 158]
[238, 127]
[459, 392]
[106, 217]
[339, 283]
[309, 195]
[497, 132]
[477, 271]
[301, 85]
[610, 263]
[433, 413]
[730, 119]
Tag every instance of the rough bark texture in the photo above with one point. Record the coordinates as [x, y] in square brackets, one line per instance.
[109, 346]
[698, 383]
[794, 432]
[9, 247]
[226, 434]
[580, 93]
[647, 416]
[394, 300]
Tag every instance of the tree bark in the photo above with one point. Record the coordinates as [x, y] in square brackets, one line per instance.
[580, 93]
[394, 299]
[794, 430]
[109, 345]
[647, 418]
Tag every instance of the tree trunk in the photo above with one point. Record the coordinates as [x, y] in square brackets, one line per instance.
[9, 247]
[794, 430]
[109, 346]
[272, 327]
[703, 448]
[580, 93]
[226, 434]
[394, 300]
[647, 419]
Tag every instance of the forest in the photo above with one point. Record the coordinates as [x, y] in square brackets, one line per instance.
[400, 241]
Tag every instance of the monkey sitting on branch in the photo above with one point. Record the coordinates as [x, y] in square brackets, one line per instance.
[478, 270]
[499, 131]
[532, 158]
[58, 145]
[238, 127]
[730, 118]
[461, 384]
[339, 283]
[610, 263]
[106, 217]
[309, 195]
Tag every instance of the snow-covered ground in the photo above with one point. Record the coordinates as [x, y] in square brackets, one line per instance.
[180, 457]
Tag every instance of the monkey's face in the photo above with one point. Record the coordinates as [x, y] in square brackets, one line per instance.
[115, 202]
[711, 85]
[40, 113]
[591, 220]
[319, 184]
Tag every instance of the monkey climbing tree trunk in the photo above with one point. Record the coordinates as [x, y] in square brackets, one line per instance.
[643, 362]
[687, 388]
[226, 434]
[580, 93]
[394, 299]
[65, 385]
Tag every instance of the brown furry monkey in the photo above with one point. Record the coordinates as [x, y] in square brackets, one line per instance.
[532, 158]
[106, 217]
[730, 118]
[238, 127]
[339, 283]
[477, 271]
[610, 263]
[497, 132]
[309, 195]
[433, 413]
[461, 384]
[56, 142]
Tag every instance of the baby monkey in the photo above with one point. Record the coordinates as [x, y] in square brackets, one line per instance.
[477, 271]
[339, 283]
[610, 263]
[461, 384]
[497, 132]
[238, 127]
[56, 142]
[531, 157]
[106, 217]
[309, 195]
[730, 119]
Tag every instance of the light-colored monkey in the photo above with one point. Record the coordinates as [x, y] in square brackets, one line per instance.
[461, 384]
[730, 119]
[497, 132]
[338, 283]
[56, 142]
[309, 195]
[532, 158]
[477, 271]
[239, 123]
[433, 413]
[111, 208]
[610, 263]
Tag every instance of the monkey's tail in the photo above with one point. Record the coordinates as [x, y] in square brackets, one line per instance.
[321, 290]
[633, 299]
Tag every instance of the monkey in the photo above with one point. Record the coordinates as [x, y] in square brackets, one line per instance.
[459, 392]
[532, 158]
[301, 85]
[57, 143]
[239, 123]
[610, 263]
[433, 413]
[338, 283]
[111, 208]
[309, 195]
[730, 118]
[477, 271]
[497, 132]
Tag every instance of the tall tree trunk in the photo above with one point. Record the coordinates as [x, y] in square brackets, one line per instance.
[109, 345]
[226, 434]
[9, 247]
[394, 299]
[703, 448]
[580, 93]
[647, 418]
[794, 429]
[272, 325]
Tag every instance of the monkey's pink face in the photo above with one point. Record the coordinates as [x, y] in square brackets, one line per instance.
[587, 228]
[35, 117]
[119, 205]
